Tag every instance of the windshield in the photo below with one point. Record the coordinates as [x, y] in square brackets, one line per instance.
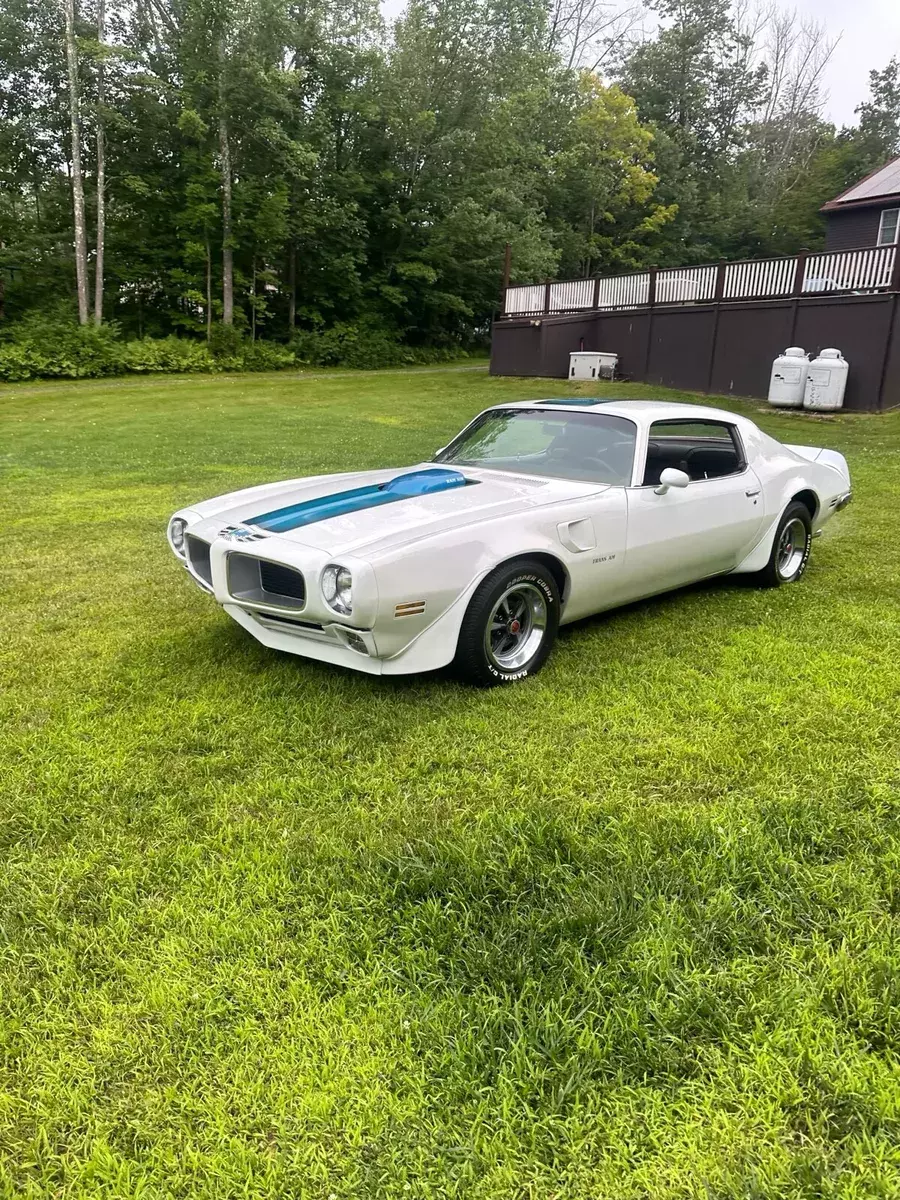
[593, 447]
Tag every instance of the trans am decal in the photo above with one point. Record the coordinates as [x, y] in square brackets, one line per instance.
[404, 487]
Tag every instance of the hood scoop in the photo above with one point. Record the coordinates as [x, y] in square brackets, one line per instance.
[403, 487]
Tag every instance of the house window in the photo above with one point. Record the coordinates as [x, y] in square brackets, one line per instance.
[887, 230]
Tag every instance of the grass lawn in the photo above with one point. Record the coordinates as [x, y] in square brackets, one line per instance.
[628, 930]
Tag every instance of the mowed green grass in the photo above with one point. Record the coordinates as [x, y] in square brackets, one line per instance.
[627, 930]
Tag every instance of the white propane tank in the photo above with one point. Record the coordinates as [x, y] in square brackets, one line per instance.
[788, 379]
[826, 380]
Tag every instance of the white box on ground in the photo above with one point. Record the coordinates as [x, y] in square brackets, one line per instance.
[592, 364]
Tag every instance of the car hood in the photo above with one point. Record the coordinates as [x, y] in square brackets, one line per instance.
[488, 494]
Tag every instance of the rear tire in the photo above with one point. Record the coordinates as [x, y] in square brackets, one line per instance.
[790, 547]
[510, 625]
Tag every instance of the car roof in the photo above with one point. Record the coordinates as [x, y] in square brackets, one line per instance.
[641, 411]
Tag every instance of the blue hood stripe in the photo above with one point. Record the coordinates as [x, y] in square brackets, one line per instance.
[404, 487]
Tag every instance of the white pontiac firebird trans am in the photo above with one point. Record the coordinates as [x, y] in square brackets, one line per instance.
[538, 513]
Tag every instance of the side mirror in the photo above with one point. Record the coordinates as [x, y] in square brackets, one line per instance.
[672, 477]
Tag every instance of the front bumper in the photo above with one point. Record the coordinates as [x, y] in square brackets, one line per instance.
[325, 643]
[391, 635]
[391, 645]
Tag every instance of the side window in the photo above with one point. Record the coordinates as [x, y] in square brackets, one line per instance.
[704, 449]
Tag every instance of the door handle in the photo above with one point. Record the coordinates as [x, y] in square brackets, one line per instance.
[756, 493]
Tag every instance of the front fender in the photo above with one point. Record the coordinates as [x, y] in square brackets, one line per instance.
[435, 645]
[441, 577]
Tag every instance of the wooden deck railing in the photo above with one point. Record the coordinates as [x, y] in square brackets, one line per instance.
[871, 269]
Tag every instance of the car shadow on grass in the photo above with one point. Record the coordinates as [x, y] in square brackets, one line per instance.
[221, 647]
[665, 604]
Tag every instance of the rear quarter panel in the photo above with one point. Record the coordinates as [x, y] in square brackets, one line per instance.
[783, 474]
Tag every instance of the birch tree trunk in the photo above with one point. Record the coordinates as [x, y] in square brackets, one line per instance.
[225, 168]
[81, 273]
[101, 171]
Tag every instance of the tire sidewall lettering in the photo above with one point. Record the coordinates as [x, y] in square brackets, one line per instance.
[529, 578]
[805, 558]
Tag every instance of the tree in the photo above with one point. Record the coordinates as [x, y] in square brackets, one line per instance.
[101, 167]
[695, 83]
[877, 137]
[288, 169]
[603, 184]
[586, 33]
[225, 169]
[81, 273]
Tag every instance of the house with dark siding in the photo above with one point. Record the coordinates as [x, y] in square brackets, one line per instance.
[867, 214]
[718, 326]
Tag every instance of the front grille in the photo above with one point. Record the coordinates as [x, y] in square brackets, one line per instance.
[259, 582]
[198, 556]
[281, 581]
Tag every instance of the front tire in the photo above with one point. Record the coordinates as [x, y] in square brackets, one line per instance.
[790, 548]
[510, 625]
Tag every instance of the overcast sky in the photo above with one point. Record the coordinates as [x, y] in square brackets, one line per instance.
[870, 35]
[869, 32]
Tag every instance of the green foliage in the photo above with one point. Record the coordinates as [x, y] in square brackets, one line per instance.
[48, 346]
[272, 929]
[258, 356]
[225, 341]
[366, 346]
[56, 347]
[744, 158]
[377, 175]
[145, 355]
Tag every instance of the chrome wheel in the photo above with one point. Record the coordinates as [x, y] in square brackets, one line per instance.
[792, 545]
[516, 626]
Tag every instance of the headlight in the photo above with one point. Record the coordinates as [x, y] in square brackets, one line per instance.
[337, 588]
[177, 527]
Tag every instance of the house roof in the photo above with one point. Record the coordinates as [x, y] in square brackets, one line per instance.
[878, 186]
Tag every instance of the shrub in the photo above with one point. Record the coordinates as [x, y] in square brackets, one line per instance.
[45, 347]
[225, 342]
[363, 345]
[166, 354]
[261, 356]
[52, 345]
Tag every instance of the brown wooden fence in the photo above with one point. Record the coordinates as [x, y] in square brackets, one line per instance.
[722, 340]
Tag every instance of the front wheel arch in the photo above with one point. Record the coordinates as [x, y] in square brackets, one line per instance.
[554, 565]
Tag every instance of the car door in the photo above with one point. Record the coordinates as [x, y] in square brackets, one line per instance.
[592, 534]
[704, 529]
